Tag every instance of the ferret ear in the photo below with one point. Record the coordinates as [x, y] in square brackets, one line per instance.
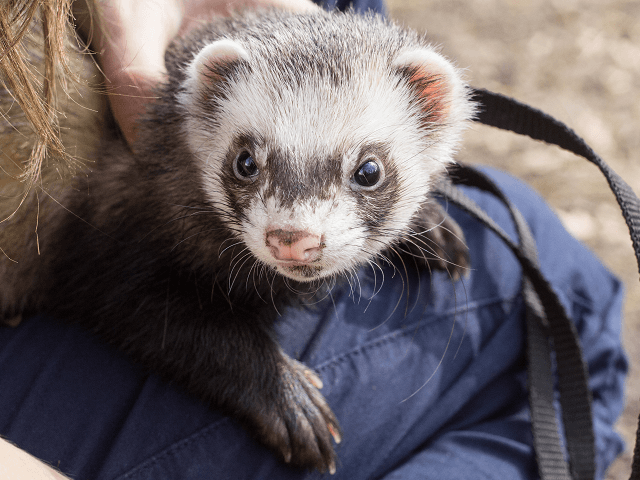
[434, 81]
[215, 61]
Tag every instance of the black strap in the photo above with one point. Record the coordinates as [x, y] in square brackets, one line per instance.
[546, 319]
[509, 114]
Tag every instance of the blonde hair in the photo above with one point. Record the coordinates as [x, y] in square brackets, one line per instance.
[36, 95]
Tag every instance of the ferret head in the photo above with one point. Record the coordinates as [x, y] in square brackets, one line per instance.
[319, 136]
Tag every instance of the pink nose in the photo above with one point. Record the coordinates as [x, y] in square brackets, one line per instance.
[298, 246]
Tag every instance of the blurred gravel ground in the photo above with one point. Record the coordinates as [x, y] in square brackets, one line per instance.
[578, 60]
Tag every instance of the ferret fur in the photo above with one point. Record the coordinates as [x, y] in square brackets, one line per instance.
[182, 259]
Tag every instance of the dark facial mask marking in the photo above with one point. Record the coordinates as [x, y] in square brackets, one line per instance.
[291, 185]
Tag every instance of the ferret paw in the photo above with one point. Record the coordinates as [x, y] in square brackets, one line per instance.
[302, 425]
[436, 242]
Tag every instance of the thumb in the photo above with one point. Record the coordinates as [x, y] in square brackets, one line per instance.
[131, 40]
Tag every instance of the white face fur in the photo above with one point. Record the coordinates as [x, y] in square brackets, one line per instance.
[288, 160]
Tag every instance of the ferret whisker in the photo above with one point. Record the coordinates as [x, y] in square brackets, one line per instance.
[251, 275]
[349, 278]
[235, 256]
[423, 249]
[273, 300]
[359, 285]
[440, 225]
[291, 288]
[406, 274]
[375, 282]
[265, 271]
[393, 311]
[446, 349]
[245, 258]
[434, 255]
[377, 290]
[227, 248]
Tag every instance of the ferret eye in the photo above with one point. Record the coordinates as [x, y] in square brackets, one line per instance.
[368, 174]
[245, 166]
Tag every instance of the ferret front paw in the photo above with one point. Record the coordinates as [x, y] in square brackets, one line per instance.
[301, 425]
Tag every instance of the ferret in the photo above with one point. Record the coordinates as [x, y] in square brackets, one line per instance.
[284, 152]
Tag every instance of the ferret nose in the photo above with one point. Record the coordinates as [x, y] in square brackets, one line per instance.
[297, 245]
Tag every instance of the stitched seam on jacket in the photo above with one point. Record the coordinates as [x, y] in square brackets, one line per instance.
[170, 450]
[410, 330]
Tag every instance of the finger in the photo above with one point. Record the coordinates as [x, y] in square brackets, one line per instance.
[131, 40]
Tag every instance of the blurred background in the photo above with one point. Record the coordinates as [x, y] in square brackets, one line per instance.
[578, 60]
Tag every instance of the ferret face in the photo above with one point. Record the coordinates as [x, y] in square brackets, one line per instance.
[318, 158]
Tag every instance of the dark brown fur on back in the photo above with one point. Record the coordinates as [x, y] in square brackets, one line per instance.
[139, 255]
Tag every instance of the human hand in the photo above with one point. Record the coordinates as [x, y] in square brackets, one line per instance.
[18, 465]
[132, 36]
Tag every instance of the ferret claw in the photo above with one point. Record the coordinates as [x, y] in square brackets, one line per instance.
[314, 378]
[335, 434]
